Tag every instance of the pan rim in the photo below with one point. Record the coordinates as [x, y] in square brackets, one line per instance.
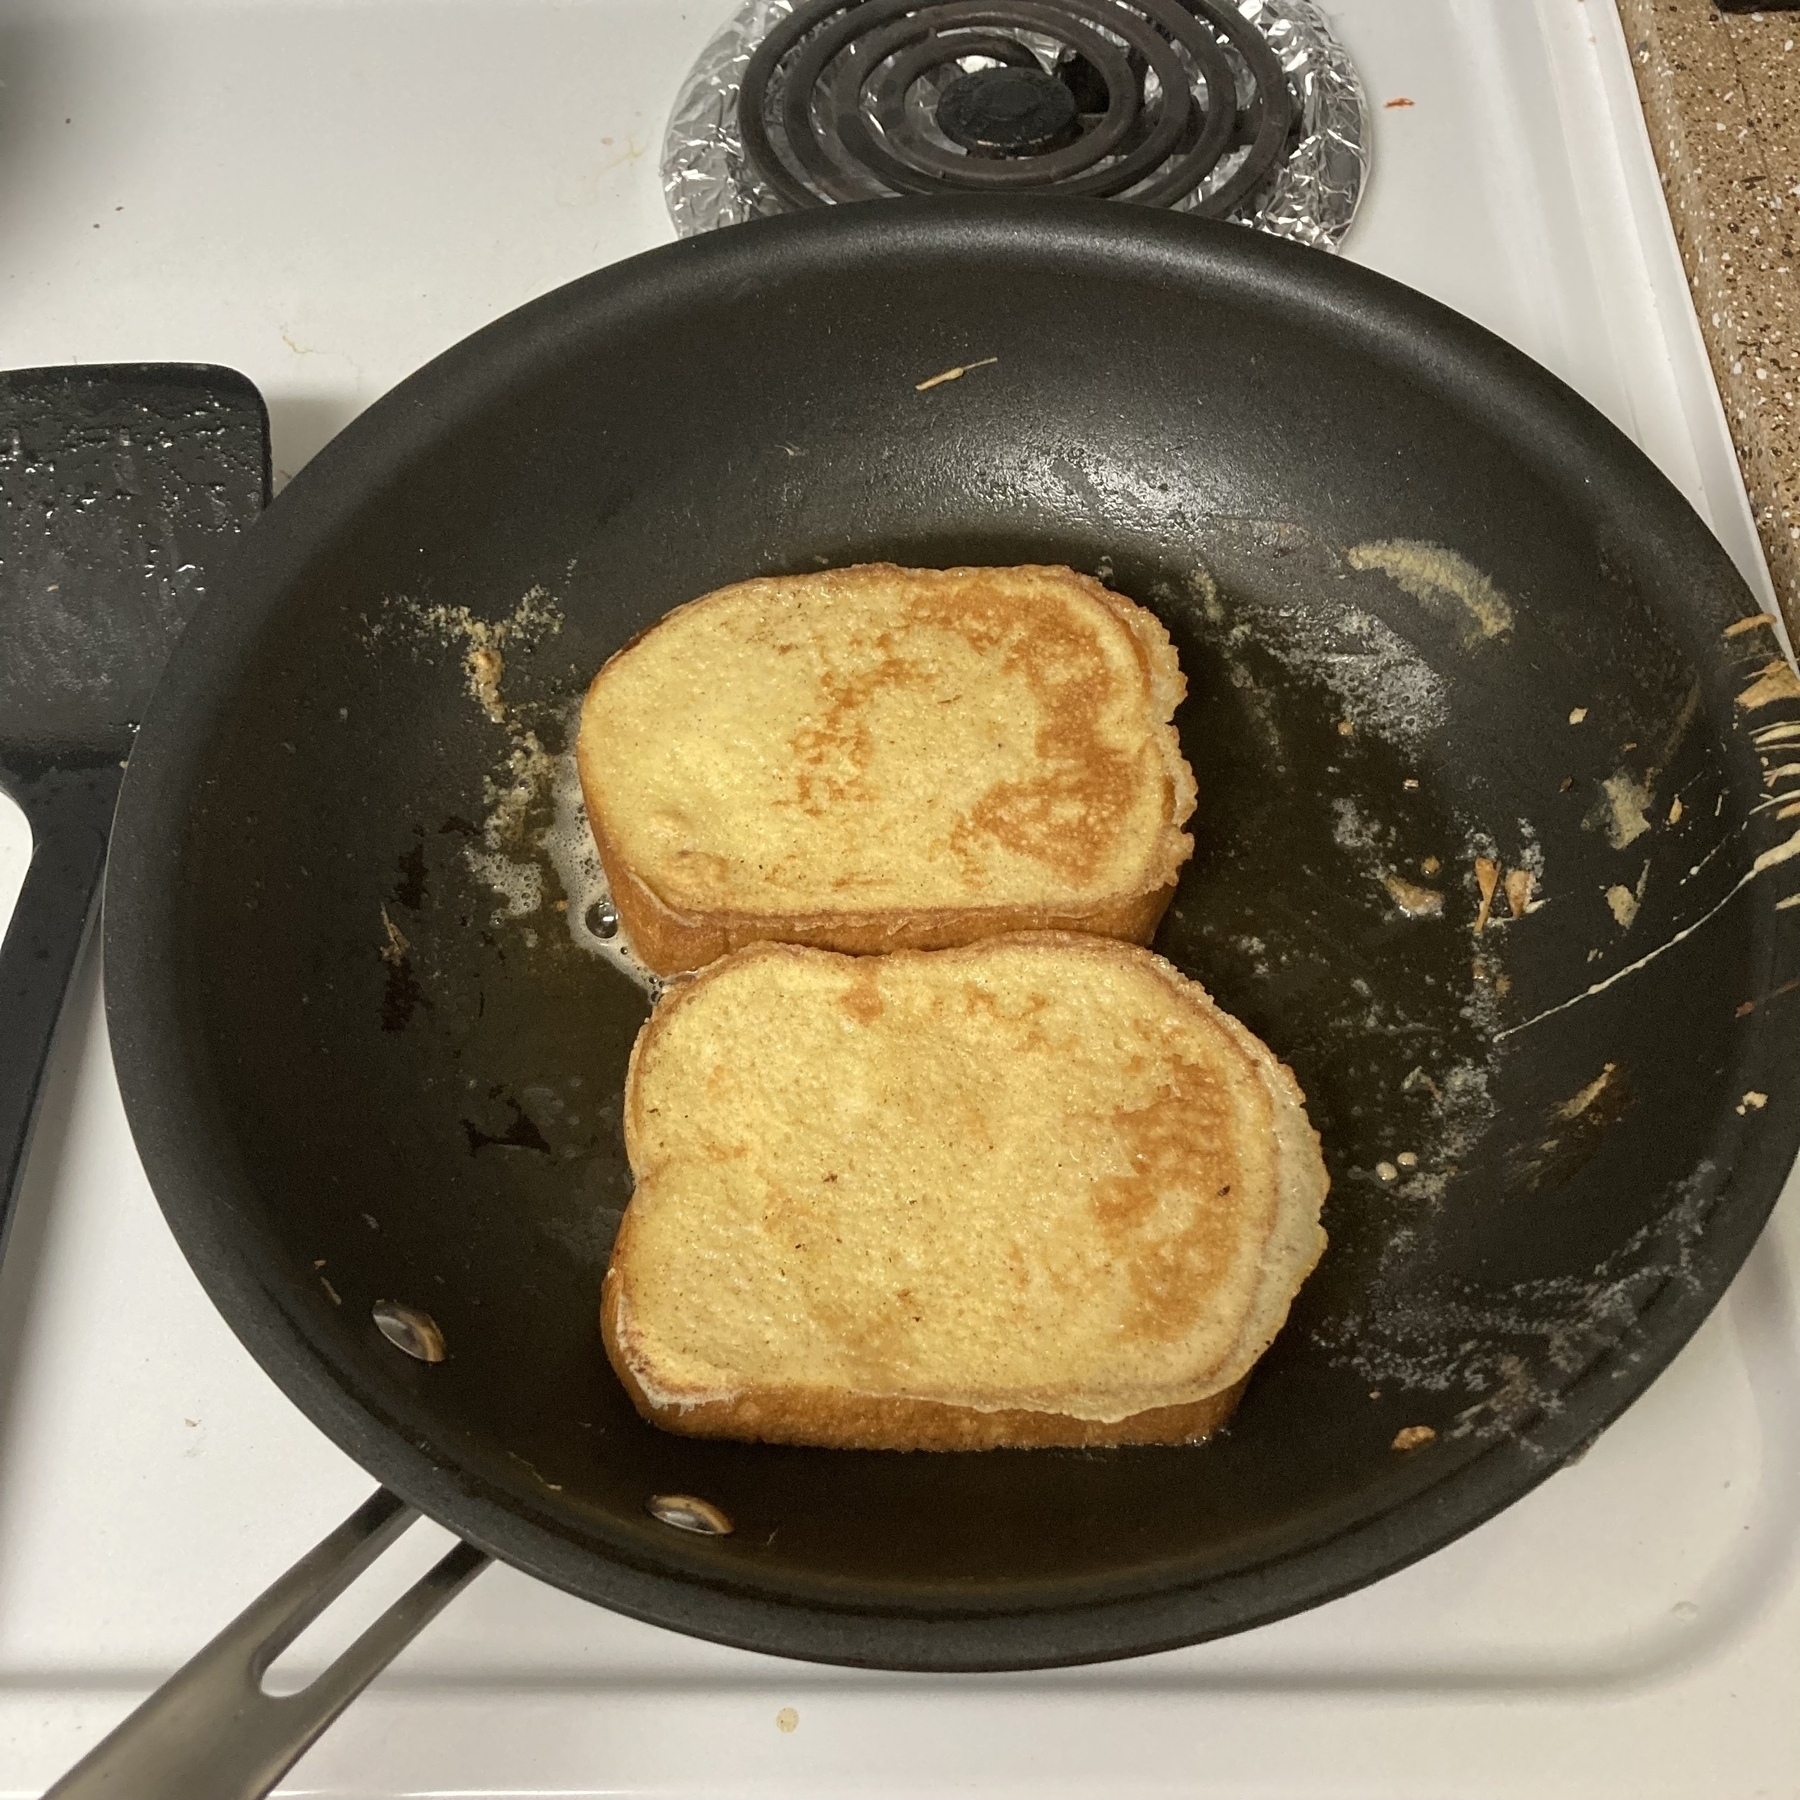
[193, 1181]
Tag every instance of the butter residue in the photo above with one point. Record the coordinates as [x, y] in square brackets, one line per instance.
[568, 843]
[519, 886]
[1450, 584]
[513, 790]
[486, 665]
[484, 658]
[1622, 809]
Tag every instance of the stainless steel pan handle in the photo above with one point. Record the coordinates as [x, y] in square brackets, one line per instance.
[211, 1733]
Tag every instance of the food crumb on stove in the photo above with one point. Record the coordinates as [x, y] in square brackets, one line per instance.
[337, 1299]
[1776, 681]
[1387, 1171]
[787, 1719]
[1398, 100]
[955, 374]
[1573, 1109]
[1346, 728]
[1753, 1102]
[1578, 715]
[1411, 782]
[1374, 1393]
[1407, 1160]
[1487, 879]
[1417, 902]
[190, 1422]
[1410, 1437]
[1430, 866]
[1675, 810]
[1623, 808]
[319, 1262]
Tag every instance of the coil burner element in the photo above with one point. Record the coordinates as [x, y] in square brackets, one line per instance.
[1139, 100]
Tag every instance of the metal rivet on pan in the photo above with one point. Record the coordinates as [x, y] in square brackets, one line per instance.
[686, 1513]
[602, 919]
[410, 1330]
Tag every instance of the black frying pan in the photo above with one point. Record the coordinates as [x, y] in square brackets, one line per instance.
[353, 1077]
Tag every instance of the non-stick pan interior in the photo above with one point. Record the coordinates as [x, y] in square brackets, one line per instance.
[1484, 789]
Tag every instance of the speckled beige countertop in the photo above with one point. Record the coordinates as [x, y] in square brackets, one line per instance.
[1721, 95]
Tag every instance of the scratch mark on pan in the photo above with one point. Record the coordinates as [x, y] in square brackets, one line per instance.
[1690, 710]
[1735, 832]
[1780, 853]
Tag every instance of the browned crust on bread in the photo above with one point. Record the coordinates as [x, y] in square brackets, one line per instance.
[669, 941]
[846, 1421]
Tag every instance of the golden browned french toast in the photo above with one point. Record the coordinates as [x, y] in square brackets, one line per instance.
[878, 758]
[1040, 1190]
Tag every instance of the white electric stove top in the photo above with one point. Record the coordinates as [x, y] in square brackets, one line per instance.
[324, 193]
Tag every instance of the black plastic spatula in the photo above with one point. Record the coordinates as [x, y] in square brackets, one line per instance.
[120, 487]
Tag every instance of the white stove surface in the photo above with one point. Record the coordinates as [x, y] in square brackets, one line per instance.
[324, 193]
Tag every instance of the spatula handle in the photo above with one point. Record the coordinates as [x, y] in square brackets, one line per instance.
[49, 925]
[211, 1733]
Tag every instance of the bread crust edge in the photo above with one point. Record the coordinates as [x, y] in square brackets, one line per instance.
[821, 1419]
[670, 941]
